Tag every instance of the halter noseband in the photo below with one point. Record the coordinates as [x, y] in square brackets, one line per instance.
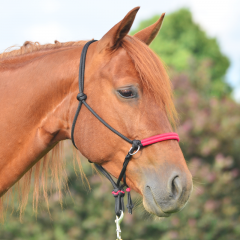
[118, 191]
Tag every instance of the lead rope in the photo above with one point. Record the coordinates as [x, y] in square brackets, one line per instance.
[118, 189]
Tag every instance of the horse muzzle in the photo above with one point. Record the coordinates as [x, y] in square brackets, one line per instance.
[168, 194]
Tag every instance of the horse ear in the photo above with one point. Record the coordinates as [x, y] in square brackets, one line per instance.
[148, 34]
[114, 36]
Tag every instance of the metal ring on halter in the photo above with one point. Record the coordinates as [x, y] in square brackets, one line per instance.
[134, 152]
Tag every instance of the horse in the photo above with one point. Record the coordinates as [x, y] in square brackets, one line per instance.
[126, 84]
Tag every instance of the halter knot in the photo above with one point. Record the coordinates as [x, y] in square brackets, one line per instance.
[136, 144]
[81, 97]
[118, 192]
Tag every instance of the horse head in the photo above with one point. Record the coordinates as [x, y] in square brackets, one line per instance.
[126, 85]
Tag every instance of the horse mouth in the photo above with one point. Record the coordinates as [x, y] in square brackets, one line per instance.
[162, 206]
[151, 205]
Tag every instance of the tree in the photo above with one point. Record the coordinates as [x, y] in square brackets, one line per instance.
[185, 47]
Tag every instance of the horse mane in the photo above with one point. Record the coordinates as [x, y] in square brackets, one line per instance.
[48, 177]
[30, 47]
[154, 78]
[152, 73]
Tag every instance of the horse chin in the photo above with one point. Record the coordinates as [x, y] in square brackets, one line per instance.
[153, 208]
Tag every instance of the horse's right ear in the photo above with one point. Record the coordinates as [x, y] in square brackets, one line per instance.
[148, 34]
[114, 36]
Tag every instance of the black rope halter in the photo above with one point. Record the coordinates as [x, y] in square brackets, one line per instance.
[118, 189]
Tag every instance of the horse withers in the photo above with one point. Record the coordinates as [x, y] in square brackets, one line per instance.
[126, 84]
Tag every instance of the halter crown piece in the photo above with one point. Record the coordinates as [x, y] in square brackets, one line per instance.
[118, 189]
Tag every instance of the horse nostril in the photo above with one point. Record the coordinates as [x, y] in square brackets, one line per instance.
[168, 195]
[176, 188]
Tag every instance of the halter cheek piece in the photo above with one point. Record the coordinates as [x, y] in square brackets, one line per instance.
[118, 189]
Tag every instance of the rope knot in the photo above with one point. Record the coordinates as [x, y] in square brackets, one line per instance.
[135, 144]
[118, 192]
[81, 97]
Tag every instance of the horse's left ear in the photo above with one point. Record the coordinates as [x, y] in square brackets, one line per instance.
[148, 34]
[114, 36]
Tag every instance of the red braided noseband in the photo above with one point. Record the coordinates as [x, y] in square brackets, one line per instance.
[160, 138]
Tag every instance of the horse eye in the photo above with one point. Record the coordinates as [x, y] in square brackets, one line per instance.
[127, 93]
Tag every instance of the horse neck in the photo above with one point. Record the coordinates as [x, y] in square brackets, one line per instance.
[35, 98]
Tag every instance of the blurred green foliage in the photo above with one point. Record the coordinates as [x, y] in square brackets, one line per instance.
[208, 125]
[183, 46]
[210, 140]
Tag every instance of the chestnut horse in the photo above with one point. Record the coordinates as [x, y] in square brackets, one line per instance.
[126, 85]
